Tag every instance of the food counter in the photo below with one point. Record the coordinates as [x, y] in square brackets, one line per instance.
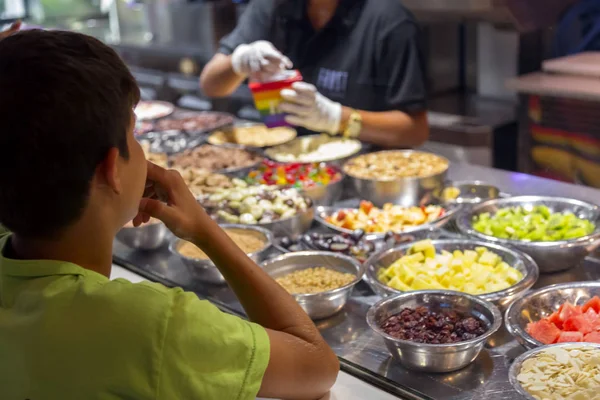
[361, 351]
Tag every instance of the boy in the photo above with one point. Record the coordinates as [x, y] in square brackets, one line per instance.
[71, 174]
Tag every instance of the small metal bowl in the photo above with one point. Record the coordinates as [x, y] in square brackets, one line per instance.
[543, 302]
[515, 368]
[503, 298]
[145, 237]
[435, 357]
[429, 230]
[205, 270]
[293, 226]
[327, 195]
[317, 305]
[407, 191]
[468, 192]
[550, 256]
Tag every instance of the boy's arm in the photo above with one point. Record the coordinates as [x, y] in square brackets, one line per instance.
[301, 364]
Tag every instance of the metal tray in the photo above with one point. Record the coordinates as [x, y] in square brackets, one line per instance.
[363, 353]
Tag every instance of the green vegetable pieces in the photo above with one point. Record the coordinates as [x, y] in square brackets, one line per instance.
[537, 224]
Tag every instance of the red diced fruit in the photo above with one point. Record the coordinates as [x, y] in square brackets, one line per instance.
[578, 323]
[570, 337]
[341, 215]
[567, 311]
[592, 337]
[543, 331]
[555, 319]
[593, 303]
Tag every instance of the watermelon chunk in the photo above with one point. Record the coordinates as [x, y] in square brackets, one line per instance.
[570, 337]
[578, 323]
[555, 319]
[567, 311]
[543, 331]
[593, 337]
[593, 303]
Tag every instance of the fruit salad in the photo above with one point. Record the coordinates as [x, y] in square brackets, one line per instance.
[532, 225]
[476, 271]
[390, 218]
[300, 176]
[570, 323]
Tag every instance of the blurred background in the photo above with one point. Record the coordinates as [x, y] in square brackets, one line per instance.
[495, 98]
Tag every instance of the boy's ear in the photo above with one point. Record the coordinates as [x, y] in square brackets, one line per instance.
[108, 170]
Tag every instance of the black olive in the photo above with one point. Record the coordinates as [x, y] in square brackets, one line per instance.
[286, 242]
[308, 239]
[315, 236]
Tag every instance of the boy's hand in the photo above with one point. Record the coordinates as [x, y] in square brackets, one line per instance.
[13, 29]
[168, 199]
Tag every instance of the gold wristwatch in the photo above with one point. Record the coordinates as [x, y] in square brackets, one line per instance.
[353, 125]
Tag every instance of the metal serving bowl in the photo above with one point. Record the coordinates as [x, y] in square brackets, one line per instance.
[293, 226]
[324, 304]
[550, 256]
[543, 302]
[431, 229]
[408, 191]
[469, 192]
[518, 260]
[240, 172]
[435, 357]
[270, 153]
[205, 270]
[328, 194]
[515, 368]
[145, 237]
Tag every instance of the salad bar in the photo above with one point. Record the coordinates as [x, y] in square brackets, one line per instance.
[436, 297]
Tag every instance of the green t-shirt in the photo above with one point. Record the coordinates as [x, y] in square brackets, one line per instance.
[70, 333]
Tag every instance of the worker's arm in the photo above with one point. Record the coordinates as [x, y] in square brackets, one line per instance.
[301, 364]
[245, 52]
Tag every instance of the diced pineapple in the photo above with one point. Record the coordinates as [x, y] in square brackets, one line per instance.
[457, 254]
[405, 273]
[397, 284]
[488, 258]
[480, 250]
[421, 283]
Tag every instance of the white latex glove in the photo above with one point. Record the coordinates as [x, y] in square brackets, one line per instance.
[307, 107]
[260, 58]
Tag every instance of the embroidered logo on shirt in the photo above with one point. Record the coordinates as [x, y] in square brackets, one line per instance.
[333, 82]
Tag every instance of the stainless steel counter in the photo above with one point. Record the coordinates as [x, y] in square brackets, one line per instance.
[362, 353]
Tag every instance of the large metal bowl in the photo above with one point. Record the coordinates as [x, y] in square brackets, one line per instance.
[145, 237]
[271, 152]
[503, 298]
[543, 302]
[408, 191]
[435, 357]
[550, 256]
[515, 368]
[205, 270]
[324, 304]
[429, 230]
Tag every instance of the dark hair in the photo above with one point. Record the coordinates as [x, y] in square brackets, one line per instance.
[65, 100]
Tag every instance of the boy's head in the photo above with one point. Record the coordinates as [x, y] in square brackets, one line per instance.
[66, 134]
